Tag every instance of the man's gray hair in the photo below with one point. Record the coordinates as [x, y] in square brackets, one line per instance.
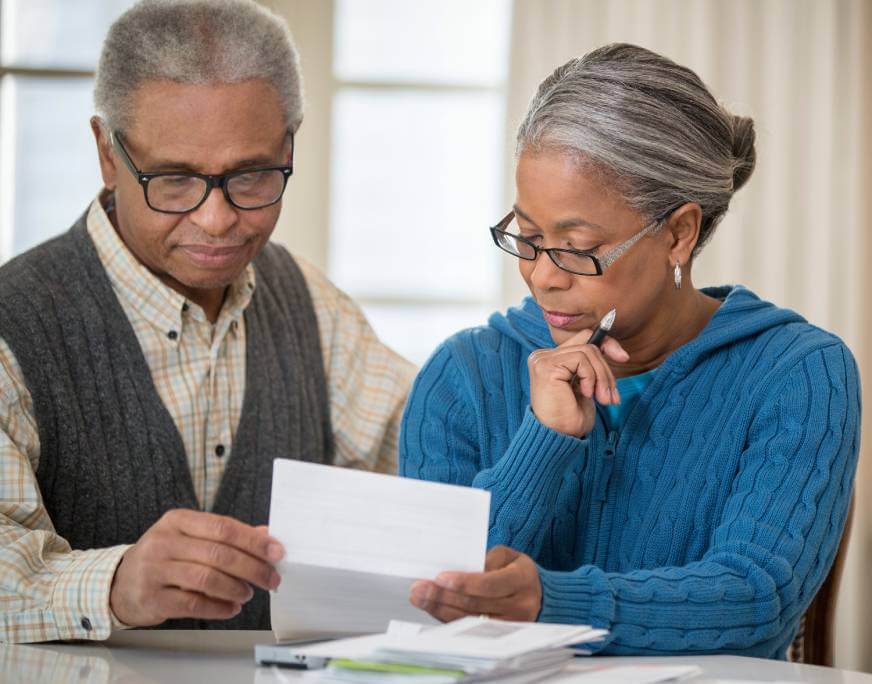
[650, 125]
[196, 42]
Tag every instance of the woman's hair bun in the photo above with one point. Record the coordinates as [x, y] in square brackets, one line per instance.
[744, 154]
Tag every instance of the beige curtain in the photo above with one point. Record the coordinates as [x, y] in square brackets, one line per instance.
[797, 233]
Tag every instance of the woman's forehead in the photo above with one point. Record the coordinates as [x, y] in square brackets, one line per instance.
[555, 192]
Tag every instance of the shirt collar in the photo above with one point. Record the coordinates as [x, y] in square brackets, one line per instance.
[143, 291]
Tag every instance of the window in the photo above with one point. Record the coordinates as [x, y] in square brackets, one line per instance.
[48, 165]
[417, 163]
[416, 147]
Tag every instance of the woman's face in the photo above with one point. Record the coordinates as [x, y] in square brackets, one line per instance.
[560, 204]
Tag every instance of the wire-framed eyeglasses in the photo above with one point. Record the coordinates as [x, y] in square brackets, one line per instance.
[577, 262]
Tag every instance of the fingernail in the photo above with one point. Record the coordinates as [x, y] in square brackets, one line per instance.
[275, 580]
[275, 552]
[418, 594]
[616, 398]
[250, 593]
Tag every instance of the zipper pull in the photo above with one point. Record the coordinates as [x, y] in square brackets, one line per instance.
[604, 470]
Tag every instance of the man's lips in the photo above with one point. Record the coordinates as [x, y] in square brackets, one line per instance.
[213, 256]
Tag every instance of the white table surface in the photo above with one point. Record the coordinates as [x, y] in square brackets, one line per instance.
[215, 657]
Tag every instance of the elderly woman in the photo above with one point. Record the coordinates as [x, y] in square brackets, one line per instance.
[685, 483]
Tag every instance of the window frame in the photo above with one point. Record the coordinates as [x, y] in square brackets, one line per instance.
[9, 71]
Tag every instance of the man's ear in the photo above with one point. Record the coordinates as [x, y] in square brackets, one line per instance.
[683, 226]
[108, 168]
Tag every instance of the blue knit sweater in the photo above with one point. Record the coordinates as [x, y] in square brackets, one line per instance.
[706, 525]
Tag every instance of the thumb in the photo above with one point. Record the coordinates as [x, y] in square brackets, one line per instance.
[613, 349]
[498, 557]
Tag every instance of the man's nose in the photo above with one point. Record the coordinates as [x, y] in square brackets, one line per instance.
[216, 215]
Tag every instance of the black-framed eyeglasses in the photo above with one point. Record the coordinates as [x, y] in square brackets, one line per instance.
[577, 262]
[181, 192]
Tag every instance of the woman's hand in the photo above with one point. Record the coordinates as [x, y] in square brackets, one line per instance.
[564, 382]
[508, 589]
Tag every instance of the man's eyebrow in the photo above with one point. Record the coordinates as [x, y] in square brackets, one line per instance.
[565, 224]
[166, 165]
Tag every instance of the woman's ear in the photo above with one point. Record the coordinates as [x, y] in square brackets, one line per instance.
[683, 225]
[108, 169]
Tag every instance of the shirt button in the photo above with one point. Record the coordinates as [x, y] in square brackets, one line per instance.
[172, 334]
[86, 624]
[219, 450]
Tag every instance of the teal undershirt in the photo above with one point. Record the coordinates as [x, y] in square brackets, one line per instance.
[630, 389]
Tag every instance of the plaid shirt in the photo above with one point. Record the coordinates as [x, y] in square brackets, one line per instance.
[48, 591]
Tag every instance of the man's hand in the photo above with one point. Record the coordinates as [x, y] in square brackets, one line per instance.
[508, 589]
[191, 564]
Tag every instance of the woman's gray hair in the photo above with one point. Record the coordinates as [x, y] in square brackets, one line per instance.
[649, 124]
[197, 42]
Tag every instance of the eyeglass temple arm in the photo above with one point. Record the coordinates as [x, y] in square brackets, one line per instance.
[608, 259]
[115, 140]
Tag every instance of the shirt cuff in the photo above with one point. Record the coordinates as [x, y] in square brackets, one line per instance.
[80, 598]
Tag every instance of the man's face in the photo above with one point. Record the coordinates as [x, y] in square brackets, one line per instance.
[210, 129]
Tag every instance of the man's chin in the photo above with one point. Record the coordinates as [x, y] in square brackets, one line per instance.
[190, 283]
[210, 282]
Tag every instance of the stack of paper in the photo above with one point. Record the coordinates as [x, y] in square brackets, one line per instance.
[355, 541]
[471, 649]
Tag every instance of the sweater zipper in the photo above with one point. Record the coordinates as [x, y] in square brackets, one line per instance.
[604, 474]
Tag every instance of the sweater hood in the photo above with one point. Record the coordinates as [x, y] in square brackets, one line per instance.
[742, 314]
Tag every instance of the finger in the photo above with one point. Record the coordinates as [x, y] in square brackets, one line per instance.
[469, 605]
[228, 559]
[442, 603]
[605, 379]
[228, 531]
[610, 346]
[600, 380]
[205, 580]
[587, 375]
[178, 603]
[566, 365]
[578, 339]
[446, 613]
[489, 584]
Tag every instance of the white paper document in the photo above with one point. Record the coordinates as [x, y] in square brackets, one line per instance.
[626, 674]
[483, 640]
[355, 541]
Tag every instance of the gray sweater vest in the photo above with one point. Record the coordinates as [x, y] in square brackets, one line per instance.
[111, 458]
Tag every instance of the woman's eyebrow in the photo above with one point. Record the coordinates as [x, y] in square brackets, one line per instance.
[560, 225]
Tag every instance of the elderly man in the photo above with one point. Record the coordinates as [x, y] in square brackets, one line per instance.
[159, 355]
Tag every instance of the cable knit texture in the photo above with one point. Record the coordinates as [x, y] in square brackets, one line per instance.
[707, 525]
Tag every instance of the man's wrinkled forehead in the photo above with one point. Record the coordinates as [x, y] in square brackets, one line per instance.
[179, 126]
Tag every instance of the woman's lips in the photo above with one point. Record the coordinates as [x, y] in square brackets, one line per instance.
[558, 319]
